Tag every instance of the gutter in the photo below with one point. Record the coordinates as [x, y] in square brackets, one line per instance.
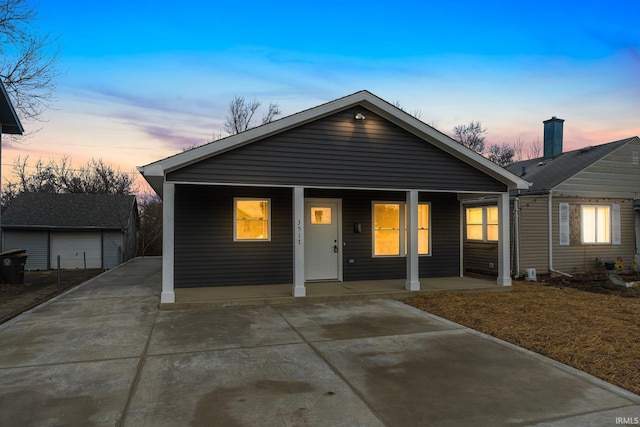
[551, 269]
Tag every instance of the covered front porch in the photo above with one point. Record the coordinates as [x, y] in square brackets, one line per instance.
[225, 296]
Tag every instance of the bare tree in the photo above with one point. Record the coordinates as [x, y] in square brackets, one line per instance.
[28, 60]
[241, 113]
[93, 177]
[518, 149]
[417, 113]
[271, 113]
[150, 231]
[535, 149]
[502, 155]
[471, 136]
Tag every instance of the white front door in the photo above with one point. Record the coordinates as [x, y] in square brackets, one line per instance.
[323, 246]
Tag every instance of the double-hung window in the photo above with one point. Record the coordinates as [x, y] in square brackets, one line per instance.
[252, 219]
[596, 224]
[482, 223]
[390, 231]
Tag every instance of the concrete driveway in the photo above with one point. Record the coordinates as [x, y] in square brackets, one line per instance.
[104, 354]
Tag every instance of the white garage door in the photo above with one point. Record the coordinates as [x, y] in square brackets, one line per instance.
[72, 248]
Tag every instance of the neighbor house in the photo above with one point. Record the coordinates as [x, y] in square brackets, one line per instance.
[97, 229]
[9, 121]
[354, 189]
[581, 211]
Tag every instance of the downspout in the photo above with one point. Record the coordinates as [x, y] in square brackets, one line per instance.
[516, 235]
[551, 269]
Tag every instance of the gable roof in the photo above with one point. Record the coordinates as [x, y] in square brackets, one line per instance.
[545, 174]
[69, 211]
[155, 172]
[8, 117]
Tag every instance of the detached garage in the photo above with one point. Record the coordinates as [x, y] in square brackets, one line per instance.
[97, 229]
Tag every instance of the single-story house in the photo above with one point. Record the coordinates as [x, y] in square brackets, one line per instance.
[582, 210]
[99, 229]
[354, 189]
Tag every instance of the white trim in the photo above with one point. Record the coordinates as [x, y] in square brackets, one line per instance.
[366, 100]
[400, 228]
[339, 224]
[429, 228]
[485, 224]
[413, 267]
[582, 228]
[616, 230]
[298, 289]
[462, 221]
[564, 231]
[168, 219]
[235, 218]
[320, 187]
[403, 226]
[504, 257]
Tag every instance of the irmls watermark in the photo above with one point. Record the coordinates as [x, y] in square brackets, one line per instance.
[628, 421]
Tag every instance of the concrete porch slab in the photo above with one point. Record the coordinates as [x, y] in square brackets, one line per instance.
[223, 296]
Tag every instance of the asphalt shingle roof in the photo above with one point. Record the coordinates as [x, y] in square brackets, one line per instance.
[545, 174]
[44, 210]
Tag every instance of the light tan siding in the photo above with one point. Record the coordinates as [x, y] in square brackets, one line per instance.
[581, 258]
[615, 175]
[534, 233]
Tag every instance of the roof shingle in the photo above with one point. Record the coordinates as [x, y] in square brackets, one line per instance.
[545, 174]
[71, 211]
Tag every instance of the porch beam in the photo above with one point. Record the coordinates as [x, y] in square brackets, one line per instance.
[413, 270]
[504, 256]
[299, 289]
[168, 202]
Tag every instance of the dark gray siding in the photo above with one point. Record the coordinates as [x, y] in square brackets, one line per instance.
[481, 257]
[444, 260]
[338, 152]
[445, 240]
[205, 253]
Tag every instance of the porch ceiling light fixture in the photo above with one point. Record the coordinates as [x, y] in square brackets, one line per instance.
[359, 117]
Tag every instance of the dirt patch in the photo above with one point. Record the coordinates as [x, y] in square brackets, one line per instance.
[598, 283]
[595, 331]
[38, 287]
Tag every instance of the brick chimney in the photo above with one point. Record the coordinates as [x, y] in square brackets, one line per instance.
[552, 137]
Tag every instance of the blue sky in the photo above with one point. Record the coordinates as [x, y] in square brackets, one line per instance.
[144, 79]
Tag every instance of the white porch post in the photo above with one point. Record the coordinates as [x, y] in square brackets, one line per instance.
[168, 200]
[413, 270]
[504, 255]
[299, 289]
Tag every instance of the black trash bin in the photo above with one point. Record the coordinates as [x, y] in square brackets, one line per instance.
[12, 266]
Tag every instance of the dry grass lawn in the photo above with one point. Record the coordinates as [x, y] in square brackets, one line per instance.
[596, 333]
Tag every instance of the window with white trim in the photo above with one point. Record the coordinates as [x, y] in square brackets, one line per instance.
[252, 219]
[596, 224]
[390, 231]
[482, 223]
